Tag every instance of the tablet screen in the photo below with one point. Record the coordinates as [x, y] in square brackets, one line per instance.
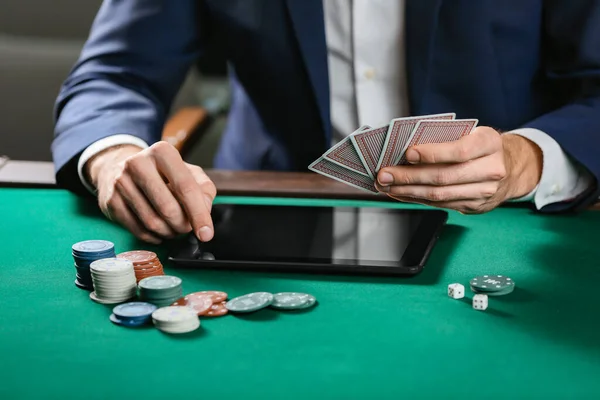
[320, 235]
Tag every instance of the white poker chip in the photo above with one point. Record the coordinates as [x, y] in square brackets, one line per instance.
[111, 265]
[176, 319]
[174, 314]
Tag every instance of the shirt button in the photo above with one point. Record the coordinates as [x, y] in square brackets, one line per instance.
[369, 73]
[555, 189]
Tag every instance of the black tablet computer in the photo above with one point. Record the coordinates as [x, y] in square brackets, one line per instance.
[315, 239]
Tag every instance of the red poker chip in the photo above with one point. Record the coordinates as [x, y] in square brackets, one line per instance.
[200, 304]
[216, 296]
[217, 310]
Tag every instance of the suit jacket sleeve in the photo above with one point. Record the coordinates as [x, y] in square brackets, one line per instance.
[572, 60]
[131, 67]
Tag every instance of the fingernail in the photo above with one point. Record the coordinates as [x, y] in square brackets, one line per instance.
[385, 178]
[205, 233]
[208, 200]
[383, 189]
[413, 156]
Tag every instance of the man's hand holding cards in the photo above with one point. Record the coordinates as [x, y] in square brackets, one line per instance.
[436, 160]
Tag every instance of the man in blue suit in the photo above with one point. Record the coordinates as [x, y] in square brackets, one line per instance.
[305, 73]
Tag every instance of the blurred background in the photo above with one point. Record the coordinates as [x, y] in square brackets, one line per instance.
[40, 41]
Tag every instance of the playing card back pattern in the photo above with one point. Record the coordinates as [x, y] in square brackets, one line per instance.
[341, 174]
[429, 131]
[345, 154]
[398, 135]
[369, 145]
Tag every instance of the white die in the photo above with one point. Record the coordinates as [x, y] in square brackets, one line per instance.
[456, 291]
[480, 302]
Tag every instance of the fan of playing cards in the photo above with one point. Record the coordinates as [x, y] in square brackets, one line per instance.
[356, 160]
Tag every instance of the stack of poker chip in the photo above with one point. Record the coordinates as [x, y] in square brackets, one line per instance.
[160, 290]
[145, 263]
[86, 252]
[133, 314]
[492, 285]
[114, 281]
[176, 319]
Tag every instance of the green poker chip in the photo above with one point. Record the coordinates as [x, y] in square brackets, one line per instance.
[161, 282]
[292, 301]
[311, 302]
[250, 302]
[492, 283]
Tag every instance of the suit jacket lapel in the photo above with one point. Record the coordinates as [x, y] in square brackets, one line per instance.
[309, 25]
[421, 23]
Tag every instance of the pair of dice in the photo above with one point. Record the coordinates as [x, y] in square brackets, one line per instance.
[457, 291]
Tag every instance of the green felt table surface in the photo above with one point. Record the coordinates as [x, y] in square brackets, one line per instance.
[369, 337]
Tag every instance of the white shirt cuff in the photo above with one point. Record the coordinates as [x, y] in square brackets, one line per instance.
[563, 179]
[102, 145]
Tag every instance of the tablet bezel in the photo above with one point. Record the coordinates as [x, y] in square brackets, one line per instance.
[184, 253]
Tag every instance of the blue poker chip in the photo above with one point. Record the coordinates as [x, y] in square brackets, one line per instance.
[118, 321]
[87, 259]
[91, 247]
[84, 286]
[82, 260]
[92, 254]
[84, 279]
[134, 310]
[82, 270]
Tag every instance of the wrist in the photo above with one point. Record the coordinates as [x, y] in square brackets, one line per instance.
[524, 160]
[112, 156]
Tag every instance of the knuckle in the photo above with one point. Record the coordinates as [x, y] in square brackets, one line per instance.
[437, 195]
[132, 165]
[195, 168]
[209, 188]
[463, 151]
[483, 131]
[498, 173]
[153, 224]
[182, 227]
[169, 210]
[161, 147]
[489, 190]
[441, 177]
[491, 136]
[185, 187]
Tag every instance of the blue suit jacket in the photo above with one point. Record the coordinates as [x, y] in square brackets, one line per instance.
[511, 64]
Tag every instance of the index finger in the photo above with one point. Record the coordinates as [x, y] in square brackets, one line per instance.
[482, 142]
[187, 191]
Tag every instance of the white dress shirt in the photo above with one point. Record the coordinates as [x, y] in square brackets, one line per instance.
[368, 86]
